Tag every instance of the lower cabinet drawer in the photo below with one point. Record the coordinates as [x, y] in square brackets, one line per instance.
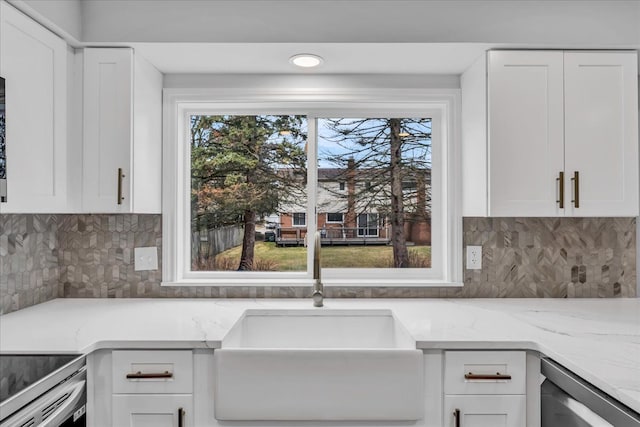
[152, 371]
[145, 410]
[485, 372]
[485, 411]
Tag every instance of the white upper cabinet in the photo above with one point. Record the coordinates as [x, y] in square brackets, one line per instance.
[562, 133]
[122, 132]
[34, 63]
[601, 132]
[525, 132]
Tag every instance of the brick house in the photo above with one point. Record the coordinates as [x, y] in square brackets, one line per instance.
[353, 208]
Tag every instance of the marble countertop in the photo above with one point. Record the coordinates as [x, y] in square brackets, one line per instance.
[598, 339]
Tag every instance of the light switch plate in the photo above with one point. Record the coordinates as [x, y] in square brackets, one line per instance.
[474, 257]
[145, 258]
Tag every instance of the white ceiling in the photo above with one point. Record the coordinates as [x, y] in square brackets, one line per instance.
[354, 36]
[339, 58]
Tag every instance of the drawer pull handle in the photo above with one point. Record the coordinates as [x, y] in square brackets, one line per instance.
[497, 376]
[456, 417]
[180, 417]
[139, 375]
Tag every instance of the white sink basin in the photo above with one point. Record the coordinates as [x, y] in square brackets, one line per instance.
[355, 365]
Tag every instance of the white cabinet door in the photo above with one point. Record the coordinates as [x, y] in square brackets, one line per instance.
[148, 410]
[525, 130]
[485, 411]
[601, 132]
[122, 135]
[34, 63]
[107, 133]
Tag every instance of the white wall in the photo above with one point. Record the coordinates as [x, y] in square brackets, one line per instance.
[566, 23]
[332, 81]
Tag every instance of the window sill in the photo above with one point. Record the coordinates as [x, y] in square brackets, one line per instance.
[367, 283]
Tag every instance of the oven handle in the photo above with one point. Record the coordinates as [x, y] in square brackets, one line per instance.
[67, 408]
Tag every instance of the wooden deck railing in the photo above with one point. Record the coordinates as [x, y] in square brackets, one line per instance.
[335, 236]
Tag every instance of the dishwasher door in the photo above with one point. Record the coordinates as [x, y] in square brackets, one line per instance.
[561, 410]
[569, 401]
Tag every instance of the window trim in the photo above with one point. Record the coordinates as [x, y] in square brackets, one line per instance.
[442, 105]
[293, 220]
[326, 218]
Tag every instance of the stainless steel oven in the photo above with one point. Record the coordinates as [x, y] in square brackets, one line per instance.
[42, 390]
[570, 401]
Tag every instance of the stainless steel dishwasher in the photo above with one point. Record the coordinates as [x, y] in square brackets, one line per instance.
[570, 401]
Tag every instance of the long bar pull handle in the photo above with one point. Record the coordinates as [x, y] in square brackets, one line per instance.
[140, 375]
[560, 181]
[180, 417]
[456, 417]
[120, 176]
[497, 376]
[576, 189]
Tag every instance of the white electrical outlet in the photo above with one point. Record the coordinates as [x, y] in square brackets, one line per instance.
[474, 257]
[145, 258]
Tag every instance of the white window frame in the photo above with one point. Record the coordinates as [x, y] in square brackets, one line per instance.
[441, 105]
[293, 224]
[365, 234]
[326, 218]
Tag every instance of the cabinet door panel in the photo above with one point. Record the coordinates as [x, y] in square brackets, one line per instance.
[34, 63]
[525, 132]
[601, 125]
[108, 97]
[147, 410]
[486, 411]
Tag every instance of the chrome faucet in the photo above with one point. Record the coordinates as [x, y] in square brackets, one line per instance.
[318, 288]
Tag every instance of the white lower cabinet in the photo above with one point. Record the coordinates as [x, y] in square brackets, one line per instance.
[152, 410]
[485, 410]
[134, 388]
[485, 389]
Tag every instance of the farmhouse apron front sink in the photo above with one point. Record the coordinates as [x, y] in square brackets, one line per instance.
[321, 364]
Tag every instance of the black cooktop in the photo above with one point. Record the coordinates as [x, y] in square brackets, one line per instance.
[19, 371]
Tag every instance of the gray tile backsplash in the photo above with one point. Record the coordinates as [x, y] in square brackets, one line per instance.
[29, 267]
[48, 256]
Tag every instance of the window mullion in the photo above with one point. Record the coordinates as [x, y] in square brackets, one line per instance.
[312, 182]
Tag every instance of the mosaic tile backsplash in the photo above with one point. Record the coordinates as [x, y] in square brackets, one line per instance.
[91, 256]
[29, 269]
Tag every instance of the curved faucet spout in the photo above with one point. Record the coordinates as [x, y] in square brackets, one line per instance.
[318, 288]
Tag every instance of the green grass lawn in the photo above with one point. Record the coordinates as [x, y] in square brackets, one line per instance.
[272, 258]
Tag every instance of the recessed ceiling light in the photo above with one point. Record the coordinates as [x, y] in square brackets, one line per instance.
[306, 60]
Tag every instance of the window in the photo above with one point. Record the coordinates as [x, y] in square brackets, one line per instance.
[386, 224]
[336, 217]
[237, 163]
[243, 168]
[368, 225]
[299, 219]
